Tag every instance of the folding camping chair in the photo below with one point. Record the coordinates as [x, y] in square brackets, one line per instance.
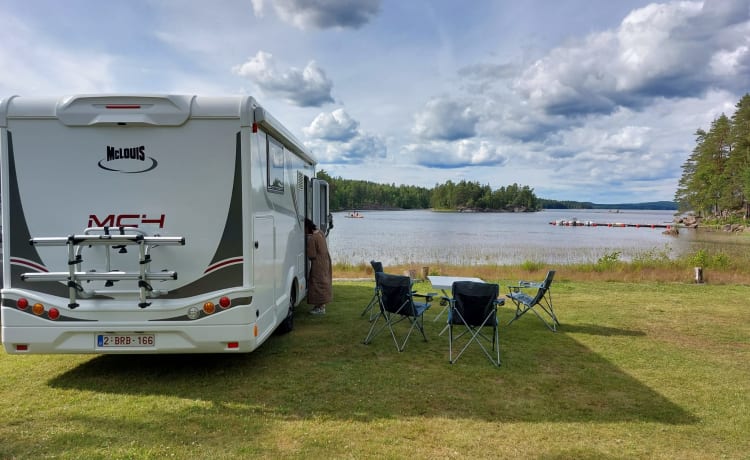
[543, 299]
[474, 307]
[396, 304]
[377, 267]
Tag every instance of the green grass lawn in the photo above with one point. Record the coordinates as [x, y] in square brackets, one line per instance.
[637, 370]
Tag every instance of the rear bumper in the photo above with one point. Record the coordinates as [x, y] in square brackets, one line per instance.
[166, 339]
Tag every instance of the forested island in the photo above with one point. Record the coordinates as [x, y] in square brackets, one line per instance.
[347, 194]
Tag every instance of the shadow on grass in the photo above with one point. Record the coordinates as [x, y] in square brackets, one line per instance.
[323, 369]
[595, 329]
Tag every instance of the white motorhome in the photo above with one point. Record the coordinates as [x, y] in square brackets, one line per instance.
[151, 224]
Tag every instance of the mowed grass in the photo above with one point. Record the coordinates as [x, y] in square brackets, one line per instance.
[637, 370]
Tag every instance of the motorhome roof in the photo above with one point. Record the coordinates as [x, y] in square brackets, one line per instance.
[148, 109]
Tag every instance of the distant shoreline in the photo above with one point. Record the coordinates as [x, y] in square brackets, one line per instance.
[490, 210]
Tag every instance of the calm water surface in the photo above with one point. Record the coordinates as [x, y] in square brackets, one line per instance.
[404, 237]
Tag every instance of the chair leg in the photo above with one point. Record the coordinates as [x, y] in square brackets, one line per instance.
[416, 322]
[450, 343]
[419, 322]
[496, 343]
[445, 306]
[522, 309]
[551, 312]
[476, 336]
[390, 319]
[372, 333]
[373, 301]
[519, 311]
[387, 323]
[553, 323]
[546, 306]
[390, 324]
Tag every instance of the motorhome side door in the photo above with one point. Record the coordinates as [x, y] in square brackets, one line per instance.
[264, 272]
[320, 212]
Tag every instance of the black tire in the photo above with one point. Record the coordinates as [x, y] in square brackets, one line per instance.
[287, 325]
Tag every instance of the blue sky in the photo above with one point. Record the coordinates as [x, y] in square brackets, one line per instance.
[587, 100]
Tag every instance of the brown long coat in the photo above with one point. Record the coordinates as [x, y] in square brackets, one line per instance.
[319, 283]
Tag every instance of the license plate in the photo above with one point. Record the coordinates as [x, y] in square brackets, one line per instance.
[125, 340]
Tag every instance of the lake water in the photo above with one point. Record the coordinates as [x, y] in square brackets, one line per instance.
[407, 237]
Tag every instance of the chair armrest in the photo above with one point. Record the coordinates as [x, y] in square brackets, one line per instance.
[499, 302]
[427, 296]
[524, 285]
[530, 284]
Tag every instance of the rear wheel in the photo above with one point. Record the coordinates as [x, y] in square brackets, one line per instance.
[287, 325]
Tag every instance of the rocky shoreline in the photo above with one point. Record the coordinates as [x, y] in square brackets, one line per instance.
[692, 221]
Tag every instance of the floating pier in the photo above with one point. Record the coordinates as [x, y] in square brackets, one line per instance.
[588, 223]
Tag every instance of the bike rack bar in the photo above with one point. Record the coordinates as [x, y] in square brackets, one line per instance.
[101, 236]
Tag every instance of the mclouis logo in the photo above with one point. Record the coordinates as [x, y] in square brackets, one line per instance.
[128, 160]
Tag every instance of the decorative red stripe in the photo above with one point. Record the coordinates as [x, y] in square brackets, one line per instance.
[28, 263]
[223, 263]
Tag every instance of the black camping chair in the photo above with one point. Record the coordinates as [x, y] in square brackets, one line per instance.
[473, 307]
[525, 302]
[396, 304]
[377, 267]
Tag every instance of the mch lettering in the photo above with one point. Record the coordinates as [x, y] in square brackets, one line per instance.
[126, 220]
[133, 153]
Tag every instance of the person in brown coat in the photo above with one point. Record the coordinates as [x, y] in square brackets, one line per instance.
[320, 279]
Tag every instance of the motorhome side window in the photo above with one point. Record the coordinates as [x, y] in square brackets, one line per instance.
[275, 166]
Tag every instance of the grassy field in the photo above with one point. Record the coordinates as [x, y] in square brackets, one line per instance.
[646, 369]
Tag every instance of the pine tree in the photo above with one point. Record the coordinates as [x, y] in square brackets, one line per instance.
[739, 162]
[705, 186]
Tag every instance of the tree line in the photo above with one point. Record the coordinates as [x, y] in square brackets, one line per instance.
[650, 205]
[716, 176]
[463, 195]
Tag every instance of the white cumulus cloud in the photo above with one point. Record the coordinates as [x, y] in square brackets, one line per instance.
[308, 87]
[335, 138]
[445, 119]
[333, 126]
[465, 152]
[662, 50]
